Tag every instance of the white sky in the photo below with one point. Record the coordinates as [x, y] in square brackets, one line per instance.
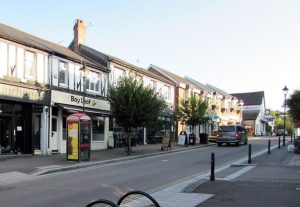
[236, 45]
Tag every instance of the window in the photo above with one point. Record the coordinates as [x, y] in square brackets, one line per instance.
[63, 74]
[29, 65]
[167, 93]
[92, 82]
[98, 129]
[153, 84]
[64, 128]
[117, 74]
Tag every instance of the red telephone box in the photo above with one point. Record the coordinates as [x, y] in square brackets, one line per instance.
[79, 137]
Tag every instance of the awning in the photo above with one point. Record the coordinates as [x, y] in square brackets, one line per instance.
[75, 109]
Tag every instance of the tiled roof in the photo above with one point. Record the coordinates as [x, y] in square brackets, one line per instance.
[220, 91]
[102, 59]
[169, 74]
[15, 35]
[251, 98]
[250, 115]
[198, 84]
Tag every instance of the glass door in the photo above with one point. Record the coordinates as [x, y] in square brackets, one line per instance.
[19, 133]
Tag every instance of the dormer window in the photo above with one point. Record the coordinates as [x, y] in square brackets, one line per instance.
[29, 65]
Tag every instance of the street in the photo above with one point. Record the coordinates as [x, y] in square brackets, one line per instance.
[110, 181]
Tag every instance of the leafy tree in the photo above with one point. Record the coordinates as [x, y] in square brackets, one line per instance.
[192, 111]
[134, 105]
[294, 107]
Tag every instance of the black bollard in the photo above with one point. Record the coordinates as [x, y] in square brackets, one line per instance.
[212, 169]
[278, 142]
[269, 146]
[249, 153]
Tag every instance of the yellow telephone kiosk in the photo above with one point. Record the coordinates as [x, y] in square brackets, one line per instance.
[79, 137]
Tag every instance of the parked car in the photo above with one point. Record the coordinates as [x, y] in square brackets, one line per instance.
[232, 134]
[213, 136]
[280, 132]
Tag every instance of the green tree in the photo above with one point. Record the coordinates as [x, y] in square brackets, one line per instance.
[293, 104]
[134, 105]
[192, 111]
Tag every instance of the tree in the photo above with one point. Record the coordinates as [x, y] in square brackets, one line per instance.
[192, 111]
[134, 105]
[294, 107]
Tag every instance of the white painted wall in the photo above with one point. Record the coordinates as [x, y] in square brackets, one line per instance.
[3, 59]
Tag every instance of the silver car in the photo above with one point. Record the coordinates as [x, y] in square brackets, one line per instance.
[235, 134]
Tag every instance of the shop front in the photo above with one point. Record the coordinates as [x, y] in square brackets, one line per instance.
[64, 104]
[20, 122]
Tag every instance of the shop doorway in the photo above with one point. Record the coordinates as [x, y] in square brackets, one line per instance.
[54, 135]
[6, 139]
[19, 133]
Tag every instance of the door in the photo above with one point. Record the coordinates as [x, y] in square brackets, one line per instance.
[6, 138]
[19, 134]
[54, 135]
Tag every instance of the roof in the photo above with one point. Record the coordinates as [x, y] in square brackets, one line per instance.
[15, 35]
[250, 115]
[103, 58]
[251, 98]
[220, 91]
[198, 84]
[171, 76]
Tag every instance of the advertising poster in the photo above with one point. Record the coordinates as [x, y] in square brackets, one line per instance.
[73, 141]
[181, 139]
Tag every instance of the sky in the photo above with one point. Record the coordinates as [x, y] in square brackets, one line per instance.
[236, 45]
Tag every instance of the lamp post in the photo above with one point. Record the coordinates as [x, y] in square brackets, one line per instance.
[285, 92]
[83, 74]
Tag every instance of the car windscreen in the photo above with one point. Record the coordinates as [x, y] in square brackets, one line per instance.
[227, 128]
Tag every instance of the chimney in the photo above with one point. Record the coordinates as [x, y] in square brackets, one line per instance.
[79, 34]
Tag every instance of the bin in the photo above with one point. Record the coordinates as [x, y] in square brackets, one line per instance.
[192, 139]
[203, 138]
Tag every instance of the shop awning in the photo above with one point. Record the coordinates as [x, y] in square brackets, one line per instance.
[75, 109]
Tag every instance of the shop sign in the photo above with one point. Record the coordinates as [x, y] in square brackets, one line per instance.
[22, 93]
[76, 100]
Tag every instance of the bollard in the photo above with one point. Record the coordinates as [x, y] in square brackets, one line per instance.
[249, 153]
[278, 142]
[212, 169]
[269, 146]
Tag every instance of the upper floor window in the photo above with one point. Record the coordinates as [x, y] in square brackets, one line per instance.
[63, 73]
[117, 74]
[29, 65]
[167, 93]
[153, 84]
[96, 83]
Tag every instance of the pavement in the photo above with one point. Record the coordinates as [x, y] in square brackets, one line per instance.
[273, 178]
[270, 180]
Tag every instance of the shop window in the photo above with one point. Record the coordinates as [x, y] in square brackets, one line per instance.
[98, 130]
[64, 128]
[6, 108]
[18, 110]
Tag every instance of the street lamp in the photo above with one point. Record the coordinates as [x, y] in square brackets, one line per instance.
[83, 73]
[285, 92]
